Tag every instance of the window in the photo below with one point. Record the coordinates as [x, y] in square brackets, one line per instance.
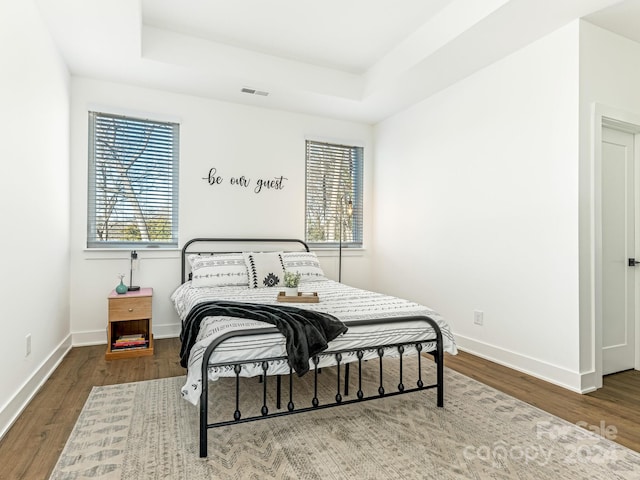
[334, 195]
[133, 182]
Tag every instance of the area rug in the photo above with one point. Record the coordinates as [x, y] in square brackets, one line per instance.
[145, 430]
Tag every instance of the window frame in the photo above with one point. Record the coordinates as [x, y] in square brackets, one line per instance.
[170, 170]
[353, 228]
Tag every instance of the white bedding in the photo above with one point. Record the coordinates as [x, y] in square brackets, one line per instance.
[346, 303]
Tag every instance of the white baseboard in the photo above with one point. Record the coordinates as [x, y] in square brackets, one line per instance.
[99, 337]
[93, 337]
[574, 381]
[170, 330]
[588, 382]
[12, 410]
[16, 405]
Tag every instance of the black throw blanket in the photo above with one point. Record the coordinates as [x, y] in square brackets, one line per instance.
[307, 332]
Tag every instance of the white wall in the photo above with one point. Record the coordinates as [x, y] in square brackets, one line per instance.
[34, 205]
[477, 187]
[236, 140]
[476, 208]
[609, 82]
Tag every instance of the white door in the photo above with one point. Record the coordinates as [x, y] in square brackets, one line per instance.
[618, 246]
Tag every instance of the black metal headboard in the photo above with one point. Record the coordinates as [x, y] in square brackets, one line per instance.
[206, 246]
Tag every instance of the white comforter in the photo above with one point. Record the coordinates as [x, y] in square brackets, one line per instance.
[346, 303]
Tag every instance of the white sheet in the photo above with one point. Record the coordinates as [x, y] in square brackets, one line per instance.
[346, 303]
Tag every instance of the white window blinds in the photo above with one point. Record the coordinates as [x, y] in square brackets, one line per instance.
[133, 182]
[333, 194]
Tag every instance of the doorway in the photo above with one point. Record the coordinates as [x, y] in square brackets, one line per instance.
[618, 249]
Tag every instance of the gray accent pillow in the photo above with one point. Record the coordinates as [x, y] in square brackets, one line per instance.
[304, 263]
[218, 270]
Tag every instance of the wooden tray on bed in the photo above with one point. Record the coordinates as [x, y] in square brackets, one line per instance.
[303, 297]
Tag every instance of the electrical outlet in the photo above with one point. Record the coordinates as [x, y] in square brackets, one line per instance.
[478, 317]
[28, 345]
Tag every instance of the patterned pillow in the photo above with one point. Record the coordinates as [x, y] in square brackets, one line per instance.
[305, 263]
[265, 269]
[218, 270]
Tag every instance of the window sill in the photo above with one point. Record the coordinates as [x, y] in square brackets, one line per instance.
[119, 252]
[334, 252]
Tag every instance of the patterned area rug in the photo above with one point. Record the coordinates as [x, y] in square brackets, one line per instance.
[145, 430]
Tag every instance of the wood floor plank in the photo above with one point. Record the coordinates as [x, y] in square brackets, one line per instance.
[614, 405]
[31, 448]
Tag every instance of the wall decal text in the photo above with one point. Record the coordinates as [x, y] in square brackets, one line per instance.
[274, 183]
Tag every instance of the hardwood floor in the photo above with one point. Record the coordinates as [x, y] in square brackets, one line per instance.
[614, 409]
[31, 448]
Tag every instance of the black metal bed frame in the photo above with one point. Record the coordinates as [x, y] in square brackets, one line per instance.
[337, 354]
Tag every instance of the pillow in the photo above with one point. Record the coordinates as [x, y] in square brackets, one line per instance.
[304, 263]
[218, 270]
[265, 269]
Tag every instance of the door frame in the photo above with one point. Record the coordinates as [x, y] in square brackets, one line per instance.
[627, 122]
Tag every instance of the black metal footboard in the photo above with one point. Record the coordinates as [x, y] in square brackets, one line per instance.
[430, 337]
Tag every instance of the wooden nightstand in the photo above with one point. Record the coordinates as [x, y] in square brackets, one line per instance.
[130, 319]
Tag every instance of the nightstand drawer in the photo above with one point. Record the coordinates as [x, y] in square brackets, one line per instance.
[129, 308]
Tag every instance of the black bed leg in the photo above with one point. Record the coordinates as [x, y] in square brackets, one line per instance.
[278, 390]
[338, 396]
[264, 410]
[440, 373]
[314, 401]
[203, 418]
[438, 357]
[346, 379]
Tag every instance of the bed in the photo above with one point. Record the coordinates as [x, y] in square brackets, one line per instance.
[229, 290]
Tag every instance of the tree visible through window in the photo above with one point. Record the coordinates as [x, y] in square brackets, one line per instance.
[133, 181]
[333, 194]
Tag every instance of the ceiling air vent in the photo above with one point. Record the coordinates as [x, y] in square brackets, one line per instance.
[253, 91]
